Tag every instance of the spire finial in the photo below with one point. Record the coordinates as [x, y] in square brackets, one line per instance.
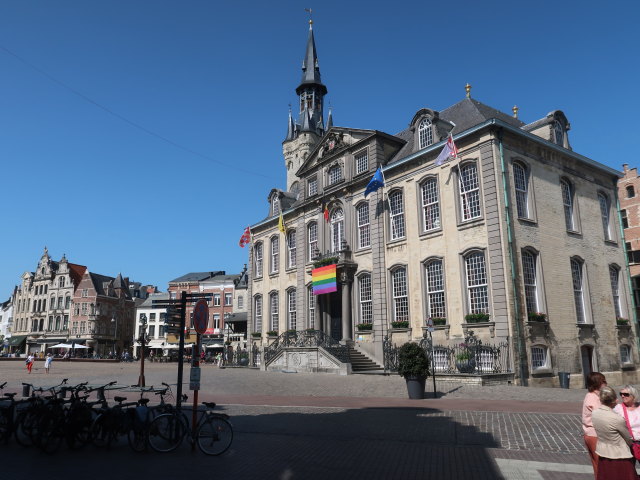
[310, 12]
[467, 88]
[515, 111]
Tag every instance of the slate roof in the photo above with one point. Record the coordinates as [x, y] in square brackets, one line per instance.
[197, 276]
[99, 281]
[154, 296]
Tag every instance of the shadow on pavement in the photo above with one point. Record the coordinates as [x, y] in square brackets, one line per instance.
[277, 443]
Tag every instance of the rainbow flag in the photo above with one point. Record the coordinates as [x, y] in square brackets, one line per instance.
[324, 280]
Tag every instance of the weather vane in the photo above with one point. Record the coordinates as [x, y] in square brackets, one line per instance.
[310, 14]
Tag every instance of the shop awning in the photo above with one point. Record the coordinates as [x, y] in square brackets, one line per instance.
[16, 340]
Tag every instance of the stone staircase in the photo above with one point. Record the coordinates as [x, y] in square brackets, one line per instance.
[360, 363]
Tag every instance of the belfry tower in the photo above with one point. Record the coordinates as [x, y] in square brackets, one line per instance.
[304, 134]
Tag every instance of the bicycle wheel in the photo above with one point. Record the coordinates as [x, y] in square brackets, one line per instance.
[138, 439]
[25, 428]
[5, 425]
[51, 430]
[78, 431]
[100, 431]
[166, 432]
[215, 435]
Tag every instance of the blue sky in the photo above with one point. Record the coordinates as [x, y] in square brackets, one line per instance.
[142, 137]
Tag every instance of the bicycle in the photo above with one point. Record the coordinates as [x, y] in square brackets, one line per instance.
[213, 433]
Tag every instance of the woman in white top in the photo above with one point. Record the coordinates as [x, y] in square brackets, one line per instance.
[629, 396]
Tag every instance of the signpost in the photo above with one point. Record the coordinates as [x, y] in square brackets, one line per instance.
[200, 320]
[430, 329]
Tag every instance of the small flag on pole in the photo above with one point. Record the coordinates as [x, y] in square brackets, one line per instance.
[281, 225]
[449, 151]
[245, 238]
[375, 183]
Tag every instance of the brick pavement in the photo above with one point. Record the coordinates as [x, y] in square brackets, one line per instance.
[319, 426]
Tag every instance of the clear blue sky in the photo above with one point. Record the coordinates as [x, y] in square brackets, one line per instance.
[216, 78]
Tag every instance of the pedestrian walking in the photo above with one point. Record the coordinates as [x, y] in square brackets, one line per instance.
[615, 460]
[30, 360]
[47, 362]
[595, 381]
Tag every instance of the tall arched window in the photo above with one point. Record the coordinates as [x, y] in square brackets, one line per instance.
[257, 259]
[578, 289]
[477, 284]
[291, 248]
[311, 298]
[430, 205]
[425, 133]
[469, 192]
[603, 200]
[614, 275]
[312, 240]
[365, 298]
[275, 255]
[276, 205]
[521, 183]
[337, 229]
[400, 294]
[274, 311]
[292, 319]
[558, 131]
[567, 202]
[396, 214]
[434, 279]
[364, 237]
[257, 313]
[530, 277]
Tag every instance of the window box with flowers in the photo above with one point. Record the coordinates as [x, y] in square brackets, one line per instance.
[272, 333]
[537, 317]
[476, 318]
[622, 321]
[623, 326]
[256, 335]
[364, 327]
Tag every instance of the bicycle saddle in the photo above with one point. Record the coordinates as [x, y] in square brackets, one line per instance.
[119, 399]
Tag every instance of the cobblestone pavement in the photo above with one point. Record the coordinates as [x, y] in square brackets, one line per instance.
[292, 426]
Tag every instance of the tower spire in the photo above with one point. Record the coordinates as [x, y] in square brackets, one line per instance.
[311, 90]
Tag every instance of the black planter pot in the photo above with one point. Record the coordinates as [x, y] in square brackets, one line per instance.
[415, 387]
[466, 366]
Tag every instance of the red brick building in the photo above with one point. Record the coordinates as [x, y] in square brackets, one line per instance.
[629, 195]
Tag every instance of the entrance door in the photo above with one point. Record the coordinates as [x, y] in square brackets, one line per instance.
[335, 310]
[586, 353]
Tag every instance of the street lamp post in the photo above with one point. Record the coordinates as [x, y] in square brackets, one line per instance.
[115, 336]
[142, 340]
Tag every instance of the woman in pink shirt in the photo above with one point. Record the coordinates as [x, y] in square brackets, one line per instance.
[595, 380]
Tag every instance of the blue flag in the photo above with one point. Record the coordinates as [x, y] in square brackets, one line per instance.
[375, 183]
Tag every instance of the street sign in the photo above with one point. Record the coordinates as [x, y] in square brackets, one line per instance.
[201, 316]
[430, 328]
[194, 378]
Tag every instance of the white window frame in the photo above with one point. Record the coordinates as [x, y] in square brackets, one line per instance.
[258, 260]
[469, 192]
[400, 293]
[312, 239]
[274, 264]
[337, 229]
[364, 233]
[614, 277]
[335, 174]
[477, 282]
[435, 287]
[291, 248]
[312, 187]
[577, 278]
[521, 187]
[365, 298]
[276, 206]
[257, 313]
[397, 228]
[530, 280]
[292, 317]
[362, 161]
[626, 357]
[311, 298]
[430, 199]
[228, 299]
[568, 196]
[274, 311]
[425, 133]
[539, 357]
[216, 299]
[605, 213]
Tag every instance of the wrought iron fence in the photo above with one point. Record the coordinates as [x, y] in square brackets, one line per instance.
[256, 356]
[235, 357]
[470, 356]
[307, 338]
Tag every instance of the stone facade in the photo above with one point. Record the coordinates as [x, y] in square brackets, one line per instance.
[629, 195]
[517, 228]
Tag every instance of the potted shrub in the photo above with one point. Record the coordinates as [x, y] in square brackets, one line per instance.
[622, 321]
[439, 321]
[476, 317]
[400, 324]
[537, 317]
[364, 326]
[256, 334]
[413, 365]
[465, 359]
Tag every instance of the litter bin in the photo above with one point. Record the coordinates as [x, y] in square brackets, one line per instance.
[564, 379]
[25, 390]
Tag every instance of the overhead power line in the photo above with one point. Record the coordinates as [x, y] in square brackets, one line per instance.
[130, 122]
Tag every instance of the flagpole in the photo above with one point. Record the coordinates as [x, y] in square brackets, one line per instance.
[384, 185]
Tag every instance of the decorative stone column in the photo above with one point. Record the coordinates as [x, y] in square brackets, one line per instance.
[346, 307]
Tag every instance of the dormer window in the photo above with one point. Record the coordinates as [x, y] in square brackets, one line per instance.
[276, 205]
[558, 132]
[425, 133]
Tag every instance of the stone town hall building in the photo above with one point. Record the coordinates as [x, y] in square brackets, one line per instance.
[517, 225]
